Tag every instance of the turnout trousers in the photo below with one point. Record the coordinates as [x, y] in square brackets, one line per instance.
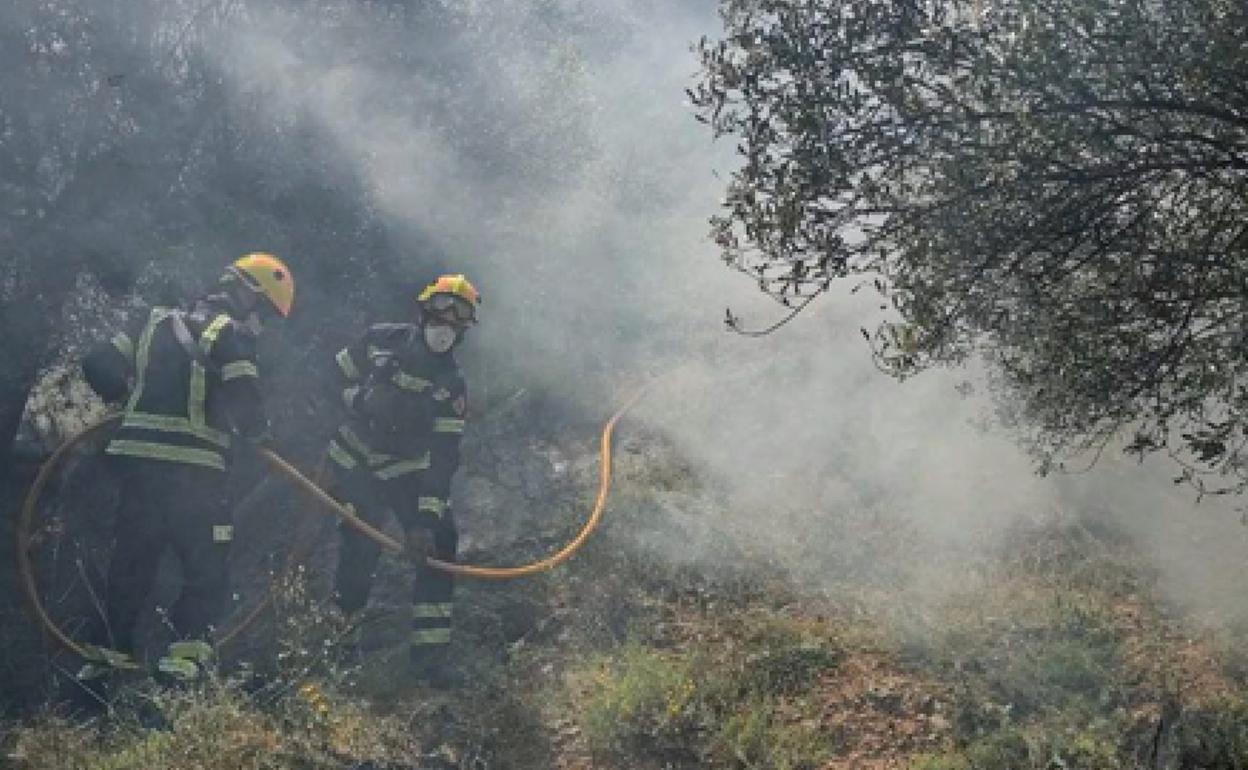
[432, 590]
[168, 506]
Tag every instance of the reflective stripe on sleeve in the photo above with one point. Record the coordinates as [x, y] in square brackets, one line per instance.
[431, 636]
[124, 345]
[178, 454]
[198, 391]
[141, 354]
[357, 445]
[410, 382]
[435, 505]
[341, 456]
[347, 364]
[236, 369]
[432, 610]
[448, 425]
[403, 467]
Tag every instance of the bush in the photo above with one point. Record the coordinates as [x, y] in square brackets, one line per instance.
[1216, 735]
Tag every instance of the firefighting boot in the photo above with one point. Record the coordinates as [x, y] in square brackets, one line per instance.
[185, 663]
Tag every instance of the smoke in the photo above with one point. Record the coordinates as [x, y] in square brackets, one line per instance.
[546, 150]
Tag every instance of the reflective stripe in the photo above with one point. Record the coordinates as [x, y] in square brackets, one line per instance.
[177, 454]
[158, 314]
[431, 636]
[440, 610]
[410, 382]
[403, 468]
[448, 425]
[174, 424]
[358, 445]
[198, 390]
[348, 396]
[236, 369]
[222, 533]
[340, 456]
[124, 345]
[431, 504]
[347, 364]
[108, 656]
[179, 668]
[191, 649]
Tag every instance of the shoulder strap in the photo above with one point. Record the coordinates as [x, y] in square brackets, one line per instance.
[183, 335]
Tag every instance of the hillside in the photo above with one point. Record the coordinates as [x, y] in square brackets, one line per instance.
[1054, 650]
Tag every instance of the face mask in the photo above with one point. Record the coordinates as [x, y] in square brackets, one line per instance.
[440, 338]
[253, 322]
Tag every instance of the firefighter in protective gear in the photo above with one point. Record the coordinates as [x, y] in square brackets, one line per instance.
[397, 451]
[189, 384]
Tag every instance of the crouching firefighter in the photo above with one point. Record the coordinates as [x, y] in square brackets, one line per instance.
[397, 452]
[194, 384]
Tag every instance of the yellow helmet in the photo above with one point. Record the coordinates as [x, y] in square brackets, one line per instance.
[268, 275]
[451, 293]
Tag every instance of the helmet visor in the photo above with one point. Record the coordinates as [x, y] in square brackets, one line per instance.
[451, 307]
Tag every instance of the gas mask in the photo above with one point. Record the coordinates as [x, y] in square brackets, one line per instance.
[440, 338]
[253, 322]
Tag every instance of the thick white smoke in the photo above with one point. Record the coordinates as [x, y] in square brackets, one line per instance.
[588, 237]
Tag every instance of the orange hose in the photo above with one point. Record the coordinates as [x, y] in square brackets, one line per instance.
[472, 570]
[26, 570]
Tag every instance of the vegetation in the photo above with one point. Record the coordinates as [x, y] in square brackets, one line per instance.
[1055, 652]
[731, 702]
[1056, 186]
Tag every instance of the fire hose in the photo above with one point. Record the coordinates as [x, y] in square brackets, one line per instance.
[30, 588]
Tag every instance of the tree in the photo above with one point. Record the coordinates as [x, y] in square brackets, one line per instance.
[87, 125]
[1059, 186]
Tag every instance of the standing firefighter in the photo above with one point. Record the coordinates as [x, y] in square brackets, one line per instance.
[397, 451]
[194, 384]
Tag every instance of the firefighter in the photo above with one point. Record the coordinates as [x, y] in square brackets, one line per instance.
[188, 380]
[396, 452]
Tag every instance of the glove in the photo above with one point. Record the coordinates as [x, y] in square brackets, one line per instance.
[419, 545]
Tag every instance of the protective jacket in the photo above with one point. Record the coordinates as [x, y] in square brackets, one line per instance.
[406, 408]
[397, 452]
[192, 385]
[189, 380]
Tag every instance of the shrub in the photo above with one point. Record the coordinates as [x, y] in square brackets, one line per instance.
[1216, 735]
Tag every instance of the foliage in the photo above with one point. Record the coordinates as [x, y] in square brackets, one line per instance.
[1216, 735]
[1058, 186]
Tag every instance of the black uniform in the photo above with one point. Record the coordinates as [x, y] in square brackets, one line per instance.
[170, 454]
[397, 452]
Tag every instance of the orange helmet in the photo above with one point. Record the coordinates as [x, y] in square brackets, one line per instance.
[266, 274]
[451, 293]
